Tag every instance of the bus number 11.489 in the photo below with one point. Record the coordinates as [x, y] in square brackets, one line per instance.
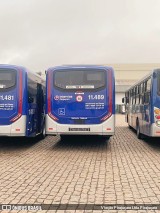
[96, 97]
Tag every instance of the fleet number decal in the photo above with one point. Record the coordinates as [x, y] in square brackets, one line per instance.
[6, 97]
[96, 97]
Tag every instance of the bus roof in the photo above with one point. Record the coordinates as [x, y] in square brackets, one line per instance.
[78, 66]
[143, 79]
[33, 75]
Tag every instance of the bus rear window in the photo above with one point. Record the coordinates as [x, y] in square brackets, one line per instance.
[81, 79]
[7, 78]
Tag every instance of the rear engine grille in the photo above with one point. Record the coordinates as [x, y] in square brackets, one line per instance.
[79, 121]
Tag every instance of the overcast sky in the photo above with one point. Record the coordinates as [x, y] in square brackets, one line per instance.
[43, 33]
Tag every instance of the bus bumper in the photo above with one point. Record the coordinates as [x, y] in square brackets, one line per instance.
[155, 130]
[105, 128]
[18, 128]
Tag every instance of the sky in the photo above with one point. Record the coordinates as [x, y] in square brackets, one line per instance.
[39, 34]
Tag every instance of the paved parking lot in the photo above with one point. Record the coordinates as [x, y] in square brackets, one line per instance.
[122, 170]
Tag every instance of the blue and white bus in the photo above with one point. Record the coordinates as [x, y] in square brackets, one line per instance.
[22, 111]
[80, 100]
[143, 105]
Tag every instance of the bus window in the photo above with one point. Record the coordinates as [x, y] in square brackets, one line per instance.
[137, 99]
[147, 97]
[149, 84]
[7, 79]
[70, 80]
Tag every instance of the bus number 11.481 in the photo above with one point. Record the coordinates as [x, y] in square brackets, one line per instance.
[6, 97]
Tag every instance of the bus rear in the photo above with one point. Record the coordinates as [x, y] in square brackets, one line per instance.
[80, 100]
[11, 118]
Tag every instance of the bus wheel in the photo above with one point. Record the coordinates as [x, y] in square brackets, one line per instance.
[139, 136]
[107, 137]
[43, 134]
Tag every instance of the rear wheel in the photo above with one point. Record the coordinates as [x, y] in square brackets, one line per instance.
[43, 133]
[139, 135]
[129, 126]
[107, 137]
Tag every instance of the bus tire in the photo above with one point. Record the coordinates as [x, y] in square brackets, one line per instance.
[43, 133]
[107, 137]
[139, 135]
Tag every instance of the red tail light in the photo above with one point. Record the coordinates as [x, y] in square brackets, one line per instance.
[19, 99]
[49, 98]
[110, 97]
[52, 116]
[106, 117]
[158, 117]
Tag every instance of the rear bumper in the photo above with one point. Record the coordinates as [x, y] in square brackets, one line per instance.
[18, 128]
[105, 128]
[155, 130]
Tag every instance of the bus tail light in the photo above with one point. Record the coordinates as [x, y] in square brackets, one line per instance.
[106, 117]
[110, 97]
[49, 99]
[158, 117]
[53, 117]
[16, 117]
[19, 100]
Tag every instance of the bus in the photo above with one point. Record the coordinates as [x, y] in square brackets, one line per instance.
[80, 100]
[22, 102]
[143, 105]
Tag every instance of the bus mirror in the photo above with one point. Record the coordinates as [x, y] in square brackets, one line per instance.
[122, 100]
[30, 100]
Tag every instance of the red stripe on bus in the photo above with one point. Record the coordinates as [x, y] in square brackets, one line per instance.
[19, 99]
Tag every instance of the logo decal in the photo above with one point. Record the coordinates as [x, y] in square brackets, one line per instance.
[56, 97]
[61, 111]
[79, 98]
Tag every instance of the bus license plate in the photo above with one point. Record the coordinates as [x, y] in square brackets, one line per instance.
[80, 129]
